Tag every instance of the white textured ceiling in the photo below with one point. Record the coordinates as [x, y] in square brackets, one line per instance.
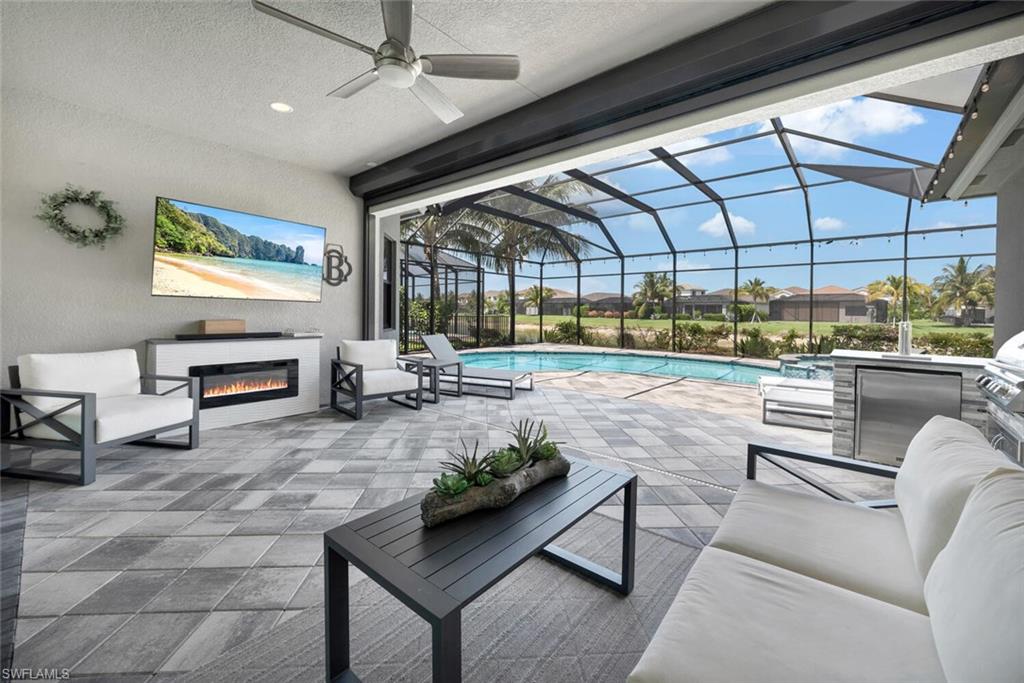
[210, 69]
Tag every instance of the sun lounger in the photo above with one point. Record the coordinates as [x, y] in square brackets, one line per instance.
[793, 396]
[480, 381]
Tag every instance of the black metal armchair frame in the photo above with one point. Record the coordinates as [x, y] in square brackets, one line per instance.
[778, 457]
[14, 404]
[347, 380]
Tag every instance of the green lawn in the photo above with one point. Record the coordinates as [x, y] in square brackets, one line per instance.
[771, 327]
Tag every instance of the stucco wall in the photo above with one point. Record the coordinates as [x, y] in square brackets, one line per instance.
[57, 297]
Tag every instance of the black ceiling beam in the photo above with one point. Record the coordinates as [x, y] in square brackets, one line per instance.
[773, 46]
[498, 213]
[915, 102]
[615, 192]
[566, 209]
[695, 181]
[860, 148]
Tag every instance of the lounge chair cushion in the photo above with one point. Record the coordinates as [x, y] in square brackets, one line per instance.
[739, 619]
[121, 416]
[104, 373]
[944, 462]
[975, 589]
[377, 354]
[388, 381]
[847, 545]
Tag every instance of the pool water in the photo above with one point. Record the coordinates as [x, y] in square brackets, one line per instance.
[539, 361]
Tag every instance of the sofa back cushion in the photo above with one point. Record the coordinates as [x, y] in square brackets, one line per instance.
[105, 373]
[975, 590]
[377, 354]
[944, 462]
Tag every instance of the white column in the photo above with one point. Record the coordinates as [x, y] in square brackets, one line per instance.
[1010, 259]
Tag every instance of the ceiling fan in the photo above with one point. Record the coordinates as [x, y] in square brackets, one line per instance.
[395, 64]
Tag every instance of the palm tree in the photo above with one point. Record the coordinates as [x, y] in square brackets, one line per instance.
[437, 231]
[655, 288]
[961, 287]
[514, 241]
[891, 289]
[535, 296]
[758, 290]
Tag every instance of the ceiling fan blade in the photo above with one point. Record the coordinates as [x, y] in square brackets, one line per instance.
[355, 85]
[397, 20]
[436, 101]
[312, 28]
[491, 67]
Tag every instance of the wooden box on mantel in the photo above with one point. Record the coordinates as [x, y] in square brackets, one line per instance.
[221, 326]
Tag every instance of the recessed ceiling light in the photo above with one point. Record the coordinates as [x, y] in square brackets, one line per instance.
[281, 107]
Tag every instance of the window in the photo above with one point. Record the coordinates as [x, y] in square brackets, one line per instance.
[388, 283]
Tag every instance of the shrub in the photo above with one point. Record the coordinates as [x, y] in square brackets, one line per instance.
[593, 314]
[956, 344]
[565, 333]
[696, 337]
[489, 337]
[867, 337]
[643, 312]
[755, 344]
[684, 316]
[611, 314]
[629, 315]
[714, 317]
[583, 310]
[790, 342]
[743, 311]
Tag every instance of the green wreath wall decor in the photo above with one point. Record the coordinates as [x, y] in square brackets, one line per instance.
[52, 213]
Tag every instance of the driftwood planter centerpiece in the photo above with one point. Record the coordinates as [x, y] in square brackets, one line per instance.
[495, 480]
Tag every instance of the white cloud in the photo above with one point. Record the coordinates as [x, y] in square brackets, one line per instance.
[829, 224]
[640, 222]
[715, 226]
[682, 264]
[849, 121]
[708, 157]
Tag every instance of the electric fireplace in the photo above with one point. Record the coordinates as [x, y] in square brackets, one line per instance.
[228, 384]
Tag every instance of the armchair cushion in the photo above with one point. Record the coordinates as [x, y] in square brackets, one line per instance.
[944, 462]
[388, 381]
[121, 416]
[847, 545]
[975, 589]
[104, 373]
[739, 619]
[377, 354]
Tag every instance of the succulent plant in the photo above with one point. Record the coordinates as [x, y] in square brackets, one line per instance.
[505, 461]
[473, 468]
[532, 442]
[450, 485]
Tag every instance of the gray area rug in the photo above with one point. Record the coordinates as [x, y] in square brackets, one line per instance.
[541, 623]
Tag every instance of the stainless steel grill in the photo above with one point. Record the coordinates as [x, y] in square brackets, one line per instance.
[1002, 383]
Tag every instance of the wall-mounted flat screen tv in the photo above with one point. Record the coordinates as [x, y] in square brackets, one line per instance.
[203, 251]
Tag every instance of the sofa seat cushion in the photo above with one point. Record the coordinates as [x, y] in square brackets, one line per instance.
[376, 354]
[388, 381]
[944, 462]
[121, 416]
[847, 545]
[975, 590]
[737, 619]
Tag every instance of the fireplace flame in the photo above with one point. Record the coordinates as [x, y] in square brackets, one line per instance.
[245, 386]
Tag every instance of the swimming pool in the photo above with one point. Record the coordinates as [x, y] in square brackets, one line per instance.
[539, 361]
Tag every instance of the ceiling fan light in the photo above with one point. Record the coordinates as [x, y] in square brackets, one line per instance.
[282, 108]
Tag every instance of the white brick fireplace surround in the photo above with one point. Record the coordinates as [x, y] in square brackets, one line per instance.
[174, 357]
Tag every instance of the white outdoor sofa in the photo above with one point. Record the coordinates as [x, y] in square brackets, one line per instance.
[81, 401]
[795, 587]
[794, 396]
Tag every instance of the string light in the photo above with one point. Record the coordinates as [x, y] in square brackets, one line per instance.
[974, 115]
[959, 136]
[985, 87]
[951, 155]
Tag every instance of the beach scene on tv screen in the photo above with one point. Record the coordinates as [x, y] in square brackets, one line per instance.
[204, 251]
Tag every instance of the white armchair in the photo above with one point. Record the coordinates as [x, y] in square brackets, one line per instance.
[80, 401]
[370, 369]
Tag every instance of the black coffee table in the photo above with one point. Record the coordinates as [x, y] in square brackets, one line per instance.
[437, 572]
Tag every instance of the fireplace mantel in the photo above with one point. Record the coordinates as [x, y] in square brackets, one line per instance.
[175, 357]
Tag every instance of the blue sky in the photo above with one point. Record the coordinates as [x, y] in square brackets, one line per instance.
[839, 211]
[310, 237]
